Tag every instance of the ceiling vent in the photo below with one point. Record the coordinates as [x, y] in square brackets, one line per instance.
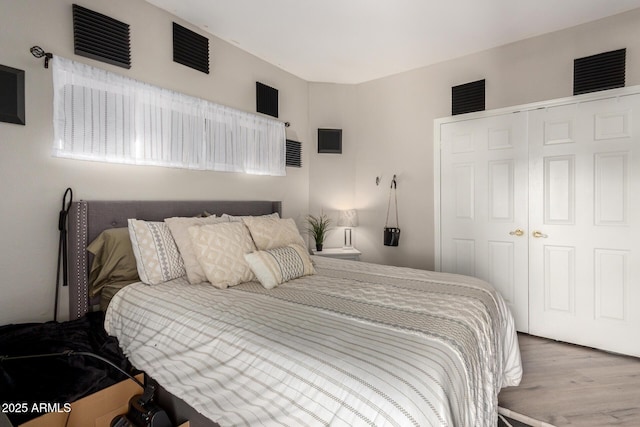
[266, 99]
[101, 37]
[468, 97]
[599, 72]
[190, 48]
[294, 154]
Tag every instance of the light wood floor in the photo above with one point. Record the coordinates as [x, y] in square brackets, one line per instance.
[569, 385]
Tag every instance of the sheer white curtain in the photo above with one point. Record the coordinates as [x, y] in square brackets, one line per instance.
[103, 116]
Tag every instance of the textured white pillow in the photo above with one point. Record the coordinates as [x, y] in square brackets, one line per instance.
[179, 227]
[220, 249]
[271, 233]
[280, 265]
[157, 256]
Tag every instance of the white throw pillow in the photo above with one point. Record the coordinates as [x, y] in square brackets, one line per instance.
[280, 265]
[237, 218]
[220, 249]
[271, 233]
[179, 227]
[157, 256]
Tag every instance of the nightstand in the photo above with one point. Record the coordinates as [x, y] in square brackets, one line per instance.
[340, 253]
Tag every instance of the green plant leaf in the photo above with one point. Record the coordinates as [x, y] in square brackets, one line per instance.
[318, 226]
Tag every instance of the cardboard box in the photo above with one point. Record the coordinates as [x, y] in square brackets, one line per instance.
[95, 410]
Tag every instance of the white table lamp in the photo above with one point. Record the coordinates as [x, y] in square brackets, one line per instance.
[348, 219]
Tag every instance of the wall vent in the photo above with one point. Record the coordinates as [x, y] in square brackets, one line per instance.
[266, 99]
[101, 37]
[599, 72]
[468, 97]
[294, 154]
[190, 48]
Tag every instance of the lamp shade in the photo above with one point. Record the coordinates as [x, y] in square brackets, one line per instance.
[348, 218]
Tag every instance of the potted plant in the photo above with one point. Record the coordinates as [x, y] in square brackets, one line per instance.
[318, 227]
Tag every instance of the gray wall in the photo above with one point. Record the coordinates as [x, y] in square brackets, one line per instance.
[389, 126]
[32, 182]
[387, 129]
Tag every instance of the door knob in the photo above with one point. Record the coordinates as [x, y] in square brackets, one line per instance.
[517, 232]
[537, 234]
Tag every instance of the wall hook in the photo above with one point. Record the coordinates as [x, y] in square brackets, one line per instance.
[394, 183]
[377, 180]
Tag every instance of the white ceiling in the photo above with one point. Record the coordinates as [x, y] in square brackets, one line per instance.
[352, 41]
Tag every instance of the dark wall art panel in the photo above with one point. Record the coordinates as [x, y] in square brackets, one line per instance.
[12, 95]
[330, 141]
[266, 99]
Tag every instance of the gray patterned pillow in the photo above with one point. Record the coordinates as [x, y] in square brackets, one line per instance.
[280, 265]
[157, 256]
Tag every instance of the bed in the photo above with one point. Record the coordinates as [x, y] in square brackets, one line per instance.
[353, 344]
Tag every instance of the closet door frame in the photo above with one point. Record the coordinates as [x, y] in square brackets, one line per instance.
[524, 109]
[437, 123]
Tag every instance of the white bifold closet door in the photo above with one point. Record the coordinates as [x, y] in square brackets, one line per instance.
[584, 246]
[544, 204]
[484, 205]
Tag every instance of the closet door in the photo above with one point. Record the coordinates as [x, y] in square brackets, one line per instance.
[585, 223]
[483, 205]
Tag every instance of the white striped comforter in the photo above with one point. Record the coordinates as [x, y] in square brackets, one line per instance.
[355, 344]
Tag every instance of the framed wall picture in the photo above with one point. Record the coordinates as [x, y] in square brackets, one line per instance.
[266, 99]
[11, 95]
[330, 141]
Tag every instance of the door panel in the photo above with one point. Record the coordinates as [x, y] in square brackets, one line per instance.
[559, 279]
[559, 190]
[582, 169]
[484, 199]
[611, 188]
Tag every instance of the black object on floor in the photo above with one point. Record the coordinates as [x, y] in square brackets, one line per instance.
[61, 379]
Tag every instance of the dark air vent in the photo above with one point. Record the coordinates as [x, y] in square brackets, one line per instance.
[100, 37]
[190, 48]
[599, 72]
[467, 98]
[266, 99]
[294, 154]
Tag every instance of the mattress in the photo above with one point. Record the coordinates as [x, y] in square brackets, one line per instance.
[354, 344]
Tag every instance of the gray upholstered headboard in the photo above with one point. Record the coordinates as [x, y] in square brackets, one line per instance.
[87, 219]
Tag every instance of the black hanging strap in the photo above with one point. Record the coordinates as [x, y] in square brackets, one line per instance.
[392, 234]
[393, 188]
[62, 247]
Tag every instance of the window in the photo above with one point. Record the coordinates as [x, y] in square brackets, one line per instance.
[103, 116]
